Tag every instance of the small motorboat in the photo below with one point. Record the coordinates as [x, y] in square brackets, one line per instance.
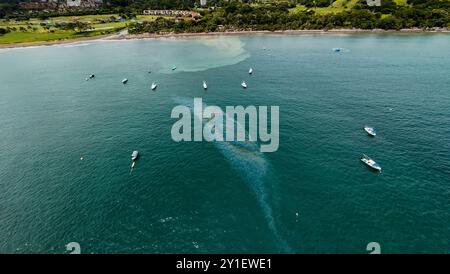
[338, 49]
[250, 71]
[205, 86]
[371, 163]
[124, 81]
[371, 131]
[244, 84]
[154, 85]
[174, 68]
[91, 76]
[134, 155]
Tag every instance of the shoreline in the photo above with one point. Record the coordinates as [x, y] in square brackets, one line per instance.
[206, 34]
[276, 32]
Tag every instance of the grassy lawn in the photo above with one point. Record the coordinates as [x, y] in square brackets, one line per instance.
[320, 11]
[345, 4]
[401, 2]
[336, 7]
[33, 32]
[149, 17]
[30, 37]
[39, 34]
[298, 8]
[84, 18]
[327, 10]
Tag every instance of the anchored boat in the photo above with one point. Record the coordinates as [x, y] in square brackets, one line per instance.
[124, 81]
[205, 86]
[371, 163]
[250, 71]
[244, 84]
[371, 131]
[134, 157]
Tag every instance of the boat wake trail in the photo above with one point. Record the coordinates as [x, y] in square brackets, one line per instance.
[253, 166]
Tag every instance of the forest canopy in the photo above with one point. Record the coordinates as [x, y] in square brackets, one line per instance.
[220, 15]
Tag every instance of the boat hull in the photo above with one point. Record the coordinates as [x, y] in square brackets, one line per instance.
[374, 166]
[370, 131]
[134, 156]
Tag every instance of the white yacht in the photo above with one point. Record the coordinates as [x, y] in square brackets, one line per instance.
[124, 81]
[371, 131]
[205, 86]
[244, 84]
[250, 71]
[366, 160]
[154, 85]
[134, 155]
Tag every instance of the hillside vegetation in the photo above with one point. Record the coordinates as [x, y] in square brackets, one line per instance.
[19, 26]
[306, 14]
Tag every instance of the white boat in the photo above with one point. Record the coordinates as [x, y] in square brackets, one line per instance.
[134, 155]
[174, 68]
[371, 163]
[124, 81]
[244, 84]
[250, 71]
[154, 85]
[371, 131]
[205, 86]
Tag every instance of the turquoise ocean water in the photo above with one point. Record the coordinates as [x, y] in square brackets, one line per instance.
[200, 197]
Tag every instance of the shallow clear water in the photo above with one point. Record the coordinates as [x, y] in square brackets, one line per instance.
[199, 197]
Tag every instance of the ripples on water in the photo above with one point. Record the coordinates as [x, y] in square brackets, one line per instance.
[226, 197]
[247, 158]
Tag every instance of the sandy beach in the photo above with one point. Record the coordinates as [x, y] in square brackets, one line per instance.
[234, 33]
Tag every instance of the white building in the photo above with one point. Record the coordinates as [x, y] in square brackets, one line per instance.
[73, 3]
[373, 3]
